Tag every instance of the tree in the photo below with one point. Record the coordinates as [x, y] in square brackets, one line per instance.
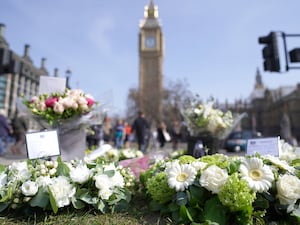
[174, 95]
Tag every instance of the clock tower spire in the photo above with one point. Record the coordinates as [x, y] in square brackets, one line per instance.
[151, 48]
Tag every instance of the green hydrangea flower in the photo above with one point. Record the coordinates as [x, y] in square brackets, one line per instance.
[219, 160]
[186, 159]
[158, 188]
[236, 194]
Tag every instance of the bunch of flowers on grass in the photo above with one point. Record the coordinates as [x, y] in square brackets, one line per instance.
[55, 184]
[204, 118]
[58, 106]
[218, 189]
[116, 155]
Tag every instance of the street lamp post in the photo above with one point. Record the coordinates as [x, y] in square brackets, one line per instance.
[68, 76]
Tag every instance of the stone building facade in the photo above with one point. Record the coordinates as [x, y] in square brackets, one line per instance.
[265, 108]
[18, 76]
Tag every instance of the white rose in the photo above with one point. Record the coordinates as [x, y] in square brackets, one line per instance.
[62, 191]
[21, 170]
[80, 174]
[43, 181]
[197, 111]
[213, 178]
[199, 165]
[117, 180]
[58, 107]
[102, 181]
[41, 106]
[81, 100]
[29, 188]
[288, 189]
[105, 193]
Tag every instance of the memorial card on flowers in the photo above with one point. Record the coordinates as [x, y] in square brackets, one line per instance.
[42, 144]
[52, 84]
[263, 146]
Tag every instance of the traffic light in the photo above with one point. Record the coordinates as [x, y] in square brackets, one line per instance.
[270, 52]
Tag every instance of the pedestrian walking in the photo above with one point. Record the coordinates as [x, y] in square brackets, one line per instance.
[162, 134]
[19, 126]
[175, 134]
[128, 134]
[119, 134]
[141, 128]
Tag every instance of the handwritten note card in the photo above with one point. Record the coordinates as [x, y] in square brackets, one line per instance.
[263, 146]
[52, 84]
[42, 144]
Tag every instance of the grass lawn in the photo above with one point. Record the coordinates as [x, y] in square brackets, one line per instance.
[137, 214]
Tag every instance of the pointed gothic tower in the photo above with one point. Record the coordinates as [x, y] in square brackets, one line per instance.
[151, 48]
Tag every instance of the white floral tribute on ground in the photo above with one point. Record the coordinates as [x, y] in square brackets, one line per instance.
[205, 118]
[51, 185]
[70, 112]
[244, 190]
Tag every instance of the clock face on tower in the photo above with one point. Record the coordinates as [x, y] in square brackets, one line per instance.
[150, 42]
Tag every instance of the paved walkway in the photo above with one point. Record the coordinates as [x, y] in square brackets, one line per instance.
[7, 158]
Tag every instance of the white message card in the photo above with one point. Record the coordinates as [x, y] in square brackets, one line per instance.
[42, 144]
[263, 146]
[52, 84]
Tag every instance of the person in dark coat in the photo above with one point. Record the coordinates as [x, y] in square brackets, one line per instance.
[141, 128]
[19, 125]
[5, 131]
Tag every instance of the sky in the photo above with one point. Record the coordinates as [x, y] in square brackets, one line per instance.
[212, 45]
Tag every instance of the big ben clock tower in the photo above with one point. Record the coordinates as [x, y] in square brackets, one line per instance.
[151, 48]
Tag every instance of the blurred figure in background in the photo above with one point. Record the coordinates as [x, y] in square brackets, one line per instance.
[141, 127]
[107, 130]
[19, 126]
[119, 134]
[175, 134]
[93, 136]
[285, 126]
[162, 134]
[128, 134]
[5, 132]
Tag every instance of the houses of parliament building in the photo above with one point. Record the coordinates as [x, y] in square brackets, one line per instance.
[264, 107]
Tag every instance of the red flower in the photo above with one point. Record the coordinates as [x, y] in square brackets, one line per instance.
[90, 101]
[50, 101]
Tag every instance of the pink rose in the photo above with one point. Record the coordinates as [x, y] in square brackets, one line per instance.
[51, 101]
[34, 99]
[90, 101]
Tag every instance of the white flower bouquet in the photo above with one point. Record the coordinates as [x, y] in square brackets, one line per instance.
[57, 107]
[217, 189]
[204, 118]
[56, 184]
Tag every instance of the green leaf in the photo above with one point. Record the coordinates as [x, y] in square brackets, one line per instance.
[62, 169]
[78, 204]
[41, 199]
[109, 173]
[184, 215]
[52, 201]
[233, 167]
[101, 206]
[85, 196]
[196, 195]
[2, 168]
[3, 206]
[181, 198]
[261, 202]
[212, 206]
[155, 206]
